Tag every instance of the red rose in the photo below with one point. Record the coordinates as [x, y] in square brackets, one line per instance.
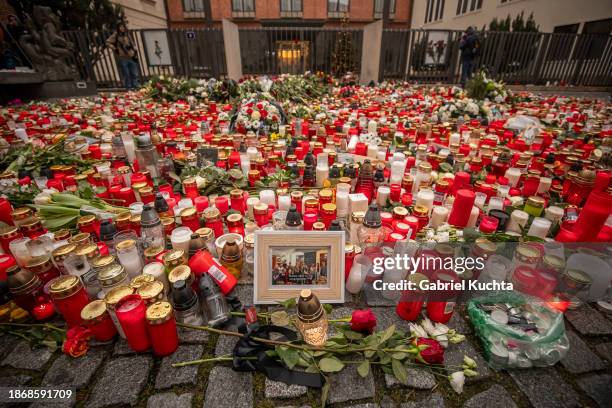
[264, 114]
[433, 353]
[260, 106]
[75, 344]
[249, 111]
[363, 321]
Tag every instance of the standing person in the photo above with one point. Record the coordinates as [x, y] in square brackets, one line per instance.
[125, 53]
[470, 47]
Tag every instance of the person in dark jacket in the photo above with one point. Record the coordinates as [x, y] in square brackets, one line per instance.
[470, 47]
[125, 54]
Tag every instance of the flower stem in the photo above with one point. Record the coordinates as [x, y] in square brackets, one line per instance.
[43, 325]
[207, 360]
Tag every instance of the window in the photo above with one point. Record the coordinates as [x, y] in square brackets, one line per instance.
[193, 8]
[337, 8]
[434, 10]
[465, 6]
[291, 8]
[243, 8]
[379, 6]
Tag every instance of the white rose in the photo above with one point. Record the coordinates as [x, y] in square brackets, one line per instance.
[457, 379]
[255, 115]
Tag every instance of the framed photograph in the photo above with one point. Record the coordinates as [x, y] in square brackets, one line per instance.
[289, 261]
[156, 47]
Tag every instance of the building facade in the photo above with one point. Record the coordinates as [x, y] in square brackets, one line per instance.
[260, 13]
[566, 16]
[144, 13]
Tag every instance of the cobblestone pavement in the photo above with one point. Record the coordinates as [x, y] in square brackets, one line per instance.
[112, 375]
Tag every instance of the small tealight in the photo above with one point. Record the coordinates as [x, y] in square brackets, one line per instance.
[499, 316]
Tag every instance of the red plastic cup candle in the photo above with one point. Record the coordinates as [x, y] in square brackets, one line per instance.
[413, 223]
[5, 211]
[222, 204]
[260, 213]
[95, 317]
[395, 193]
[201, 203]
[191, 187]
[69, 297]
[131, 312]
[8, 235]
[411, 302]
[441, 309]
[462, 208]
[237, 201]
[309, 219]
[6, 261]
[161, 325]
[525, 279]
[488, 224]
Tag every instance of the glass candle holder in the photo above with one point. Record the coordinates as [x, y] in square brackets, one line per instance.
[129, 257]
[180, 238]
[357, 275]
[131, 313]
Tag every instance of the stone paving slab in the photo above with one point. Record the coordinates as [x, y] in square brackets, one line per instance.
[375, 297]
[459, 324]
[386, 316]
[74, 372]
[122, 348]
[434, 400]
[192, 336]
[229, 389]
[170, 400]
[24, 357]
[454, 357]
[605, 350]
[348, 385]
[121, 382]
[419, 379]
[495, 397]
[14, 380]
[589, 321]
[277, 389]
[225, 345]
[580, 359]
[169, 376]
[545, 388]
[598, 387]
[338, 313]
[7, 344]
[244, 293]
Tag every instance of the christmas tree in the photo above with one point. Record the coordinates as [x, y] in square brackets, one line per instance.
[343, 52]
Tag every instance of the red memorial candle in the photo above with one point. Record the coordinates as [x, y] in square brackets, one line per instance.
[131, 315]
[462, 208]
[161, 325]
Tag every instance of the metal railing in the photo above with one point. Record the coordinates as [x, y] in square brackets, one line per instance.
[516, 58]
[190, 53]
[430, 56]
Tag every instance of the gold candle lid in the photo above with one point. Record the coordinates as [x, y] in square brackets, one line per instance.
[151, 291]
[159, 312]
[103, 261]
[181, 272]
[141, 280]
[93, 311]
[115, 295]
[64, 286]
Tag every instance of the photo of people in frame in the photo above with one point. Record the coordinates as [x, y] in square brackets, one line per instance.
[299, 266]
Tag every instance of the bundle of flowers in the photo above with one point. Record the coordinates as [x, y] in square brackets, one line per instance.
[480, 88]
[299, 88]
[174, 89]
[252, 115]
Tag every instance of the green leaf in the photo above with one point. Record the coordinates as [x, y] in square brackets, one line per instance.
[319, 353]
[324, 394]
[363, 369]
[271, 353]
[289, 356]
[331, 365]
[386, 335]
[328, 308]
[280, 318]
[399, 356]
[369, 353]
[351, 335]
[399, 371]
[288, 304]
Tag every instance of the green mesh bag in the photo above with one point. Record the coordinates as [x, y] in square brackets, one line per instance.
[507, 347]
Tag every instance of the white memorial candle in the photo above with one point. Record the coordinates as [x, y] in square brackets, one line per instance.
[352, 143]
[252, 153]
[544, 186]
[425, 198]
[480, 199]
[358, 202]
[342, 203]
[539, 227]
[251, 202]
[438, 216]
[284, 203]
[267, 197]
[473, 217]
[322, 170]
[382, 195]
[513, 175]
[372, 150]
[180, 238]
[518, 219]
[157, 270]
[372, 127]
[554, 213]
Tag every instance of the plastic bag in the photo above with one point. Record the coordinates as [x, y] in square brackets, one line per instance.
[507, 347]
